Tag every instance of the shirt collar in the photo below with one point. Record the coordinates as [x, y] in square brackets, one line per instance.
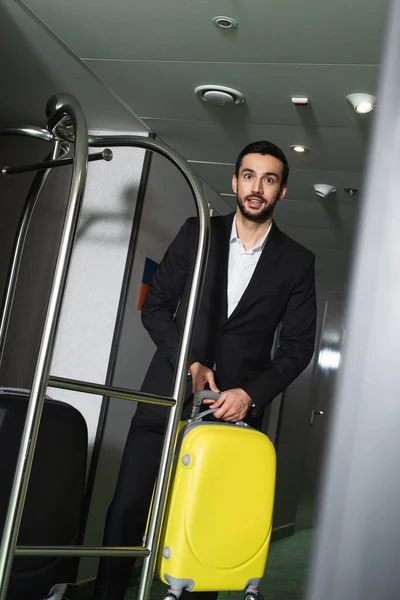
[235, 238]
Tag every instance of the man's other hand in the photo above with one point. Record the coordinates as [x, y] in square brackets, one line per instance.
[233, 405]
[200, 376]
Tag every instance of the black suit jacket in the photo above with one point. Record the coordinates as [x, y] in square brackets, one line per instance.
[282, 290]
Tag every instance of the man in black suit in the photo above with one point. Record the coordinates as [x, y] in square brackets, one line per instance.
[256, 278]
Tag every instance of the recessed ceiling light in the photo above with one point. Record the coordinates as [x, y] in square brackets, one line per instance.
[225, 22]
[300, 149]
[362, 103]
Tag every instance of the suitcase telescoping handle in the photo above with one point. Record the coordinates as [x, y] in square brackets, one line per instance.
[198, 398]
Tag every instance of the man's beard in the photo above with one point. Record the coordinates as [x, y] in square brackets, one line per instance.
[261, 216]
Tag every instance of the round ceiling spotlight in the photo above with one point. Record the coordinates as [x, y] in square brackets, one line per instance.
[219, 95]
[323, 189]
[362, 103]
[299, 148]
[225, 22]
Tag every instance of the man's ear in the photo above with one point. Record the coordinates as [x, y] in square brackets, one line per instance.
[234, 184]
[282, 193]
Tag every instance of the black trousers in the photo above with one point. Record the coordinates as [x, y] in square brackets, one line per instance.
[128, 511]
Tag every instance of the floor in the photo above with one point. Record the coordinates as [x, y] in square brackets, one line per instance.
[284, 579]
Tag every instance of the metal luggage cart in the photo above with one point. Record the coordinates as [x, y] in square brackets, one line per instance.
[66, 126]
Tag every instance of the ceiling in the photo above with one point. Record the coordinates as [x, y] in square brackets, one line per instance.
[134, 65]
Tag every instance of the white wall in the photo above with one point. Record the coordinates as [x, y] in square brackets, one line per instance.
[167, 203]
[92, 294]
[93, 290]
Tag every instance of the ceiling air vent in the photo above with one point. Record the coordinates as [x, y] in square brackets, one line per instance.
[218, 95]
[225, 22]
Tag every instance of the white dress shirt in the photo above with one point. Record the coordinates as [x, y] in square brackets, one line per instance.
[242, 264]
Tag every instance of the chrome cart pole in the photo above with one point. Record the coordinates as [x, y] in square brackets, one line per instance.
[19, 243]
[157, 511]
[153, 535]
[66, 105]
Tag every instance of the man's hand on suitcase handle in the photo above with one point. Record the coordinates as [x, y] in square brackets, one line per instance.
[200, 376]
[233, 405]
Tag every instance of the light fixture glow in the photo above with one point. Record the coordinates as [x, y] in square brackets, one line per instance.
[364, 107]
[362, 103]
[300, 149]
[329, 359]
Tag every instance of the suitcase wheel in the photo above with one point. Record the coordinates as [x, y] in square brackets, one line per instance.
[169, 596]
[253, 596]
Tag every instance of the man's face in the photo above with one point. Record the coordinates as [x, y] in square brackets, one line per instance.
[259, 186]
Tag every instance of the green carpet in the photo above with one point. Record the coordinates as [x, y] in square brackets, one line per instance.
[284, 579]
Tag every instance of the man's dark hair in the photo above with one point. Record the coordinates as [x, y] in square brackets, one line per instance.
[265, 148]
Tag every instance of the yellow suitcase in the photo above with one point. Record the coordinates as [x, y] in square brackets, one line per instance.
[218, 519]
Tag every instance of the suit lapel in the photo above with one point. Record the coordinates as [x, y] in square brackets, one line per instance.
[263, 273]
